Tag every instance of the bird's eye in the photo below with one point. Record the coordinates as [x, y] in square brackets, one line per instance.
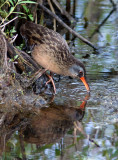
[80, 74]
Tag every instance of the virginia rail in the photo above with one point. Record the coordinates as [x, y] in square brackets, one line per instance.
[51, 51]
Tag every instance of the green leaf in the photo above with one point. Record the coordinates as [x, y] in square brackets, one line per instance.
[21, 16]
[3, 14]
[11, 2]
[15, 57]
[11, 60]
[15, 1]
[8, 3]
[13, 30]
[25, 8]
[11, 9]
[31, 17]
[19, 13]
[24, 2]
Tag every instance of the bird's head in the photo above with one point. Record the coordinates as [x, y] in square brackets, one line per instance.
[78, 71]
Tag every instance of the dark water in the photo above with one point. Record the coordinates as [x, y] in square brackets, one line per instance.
[50, 134]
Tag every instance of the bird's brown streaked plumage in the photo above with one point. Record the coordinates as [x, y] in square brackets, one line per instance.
[50, 50]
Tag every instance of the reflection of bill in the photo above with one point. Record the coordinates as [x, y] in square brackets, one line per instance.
[82, 106]
[78, 125]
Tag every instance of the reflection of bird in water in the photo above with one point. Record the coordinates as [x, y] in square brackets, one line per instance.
[53, 122]
[50, 50]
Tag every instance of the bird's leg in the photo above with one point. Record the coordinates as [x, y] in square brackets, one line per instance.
[52, 81]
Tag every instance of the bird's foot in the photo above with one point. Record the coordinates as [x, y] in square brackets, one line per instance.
[52, 81]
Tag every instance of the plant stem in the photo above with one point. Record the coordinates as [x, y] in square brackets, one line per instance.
[9, 13]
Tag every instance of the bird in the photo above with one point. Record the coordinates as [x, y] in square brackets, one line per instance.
[51, 51]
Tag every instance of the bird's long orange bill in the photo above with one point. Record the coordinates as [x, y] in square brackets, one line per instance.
[85, 83]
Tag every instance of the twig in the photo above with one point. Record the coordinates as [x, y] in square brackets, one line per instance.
[27, 82]
[79, 127]
[0, 18]
[8, 22]
[13, 38]
[2, 119]
[23, 58]
[5, 55]
[38, 74]
[3, 52]
[74, 7]
[50, 4]
[64, 12]
[28, 60]
[10, 12]
[67, 27]
[22, 146]
[113, 4]
[91, 140]
[102, 23]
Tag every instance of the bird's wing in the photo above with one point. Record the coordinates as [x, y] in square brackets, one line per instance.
[35, 34]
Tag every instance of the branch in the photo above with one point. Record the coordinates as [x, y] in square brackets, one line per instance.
[102, 23]
[23, 59]
[63, 11]
[3, 53]
[8, 22]
[79, 127]
[67, 27]
[2, 119]
[51, 7]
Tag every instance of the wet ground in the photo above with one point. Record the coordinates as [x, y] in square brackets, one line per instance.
[50, 133]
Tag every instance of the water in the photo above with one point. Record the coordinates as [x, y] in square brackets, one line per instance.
[48, 133]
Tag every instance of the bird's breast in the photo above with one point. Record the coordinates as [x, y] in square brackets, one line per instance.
[47, 59]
